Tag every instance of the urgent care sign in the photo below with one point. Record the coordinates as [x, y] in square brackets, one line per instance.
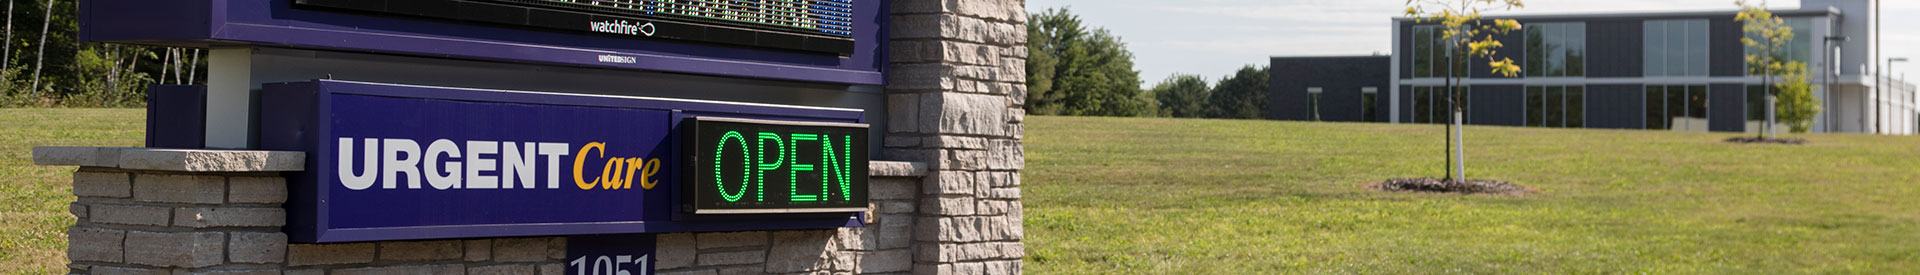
[399, 162]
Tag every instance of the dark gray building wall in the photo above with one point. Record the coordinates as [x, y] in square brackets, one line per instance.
[1503, 105]
[1614, 48]
[1340, 80]
[1727, 108]
[1616, 106]
[1726, 56]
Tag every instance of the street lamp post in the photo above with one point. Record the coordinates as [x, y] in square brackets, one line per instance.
[1826, 80]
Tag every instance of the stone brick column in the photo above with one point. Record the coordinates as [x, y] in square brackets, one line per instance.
[955, 87]
[154, 211]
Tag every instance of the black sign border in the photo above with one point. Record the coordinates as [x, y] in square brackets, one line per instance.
[690, 196]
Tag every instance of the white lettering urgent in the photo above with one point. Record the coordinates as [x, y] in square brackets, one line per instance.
[390, 159]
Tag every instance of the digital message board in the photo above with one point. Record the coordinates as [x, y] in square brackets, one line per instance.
[400, 162]
[807, 25]
[749, 166]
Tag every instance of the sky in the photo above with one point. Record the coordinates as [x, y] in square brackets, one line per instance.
[1212, 38]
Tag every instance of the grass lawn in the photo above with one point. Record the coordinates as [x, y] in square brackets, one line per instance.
[1110, 195]
[1184, 196]
[33, 213]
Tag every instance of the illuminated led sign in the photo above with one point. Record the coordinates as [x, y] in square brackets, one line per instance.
[806, 25]
[746, 166]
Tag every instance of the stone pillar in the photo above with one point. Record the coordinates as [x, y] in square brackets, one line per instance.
[956, 84]
[153, 211]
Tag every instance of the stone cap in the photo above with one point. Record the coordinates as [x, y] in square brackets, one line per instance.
[879, 168]
[171, 159]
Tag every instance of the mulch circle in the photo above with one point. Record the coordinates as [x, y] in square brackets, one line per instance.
[1762, 140]
[1467, 187]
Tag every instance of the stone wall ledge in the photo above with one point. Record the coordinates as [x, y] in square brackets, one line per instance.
[895, 169]
[182, 160]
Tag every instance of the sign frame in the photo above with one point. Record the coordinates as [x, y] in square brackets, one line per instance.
[691, 199]
[291, 120]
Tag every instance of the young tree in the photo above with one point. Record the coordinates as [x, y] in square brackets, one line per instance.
[1797, 105]
[1766, 41]
[1465, 35]
[1241, 95]
[1182, 95]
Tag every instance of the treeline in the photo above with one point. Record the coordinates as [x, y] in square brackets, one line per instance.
[1080, 71]
[42, 63]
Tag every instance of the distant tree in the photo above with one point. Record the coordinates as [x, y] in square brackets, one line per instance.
[1464, 36]
[1767, 38]
[1075, 71]
[1241, 95]
[1182, 95]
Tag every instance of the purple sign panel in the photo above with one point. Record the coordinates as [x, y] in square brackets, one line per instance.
[390, 162]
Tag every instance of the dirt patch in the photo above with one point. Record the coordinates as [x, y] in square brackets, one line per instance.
[1762, 140]
[1466, 187]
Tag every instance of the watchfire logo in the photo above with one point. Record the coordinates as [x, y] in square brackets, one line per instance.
[622, 27]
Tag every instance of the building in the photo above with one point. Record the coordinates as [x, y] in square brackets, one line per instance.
[1682, 71]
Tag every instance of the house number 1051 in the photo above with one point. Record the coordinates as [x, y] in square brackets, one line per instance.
[611, 265]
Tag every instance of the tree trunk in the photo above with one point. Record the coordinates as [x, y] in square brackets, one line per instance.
[6, 46]
[1768, 88]
[42, 59]
[1459, 144]
[193, 67]
[1448, 153]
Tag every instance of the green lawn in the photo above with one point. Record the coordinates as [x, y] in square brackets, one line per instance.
[1114, 195]
[33, 215]
[1184, 196]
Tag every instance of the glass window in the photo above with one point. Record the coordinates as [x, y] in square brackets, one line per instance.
[1536, 114]
[1369, 99]
[1422, 51]
[1655, 57]
[1676, 107]
[1696, 48]
[1556, 49]
[1422, 105]
[1656, 108]
[1536, 58]
[1697, 108]
[1556, 106]
[1800, 48]
[1756, 108]
[1675, 48]
[1430, 105]
[1577, 49]
[1676, 115]
[1313, 104]
[1576, 107]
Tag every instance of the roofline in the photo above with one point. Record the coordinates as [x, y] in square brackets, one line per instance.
[1829, 11]
[1328, 56]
